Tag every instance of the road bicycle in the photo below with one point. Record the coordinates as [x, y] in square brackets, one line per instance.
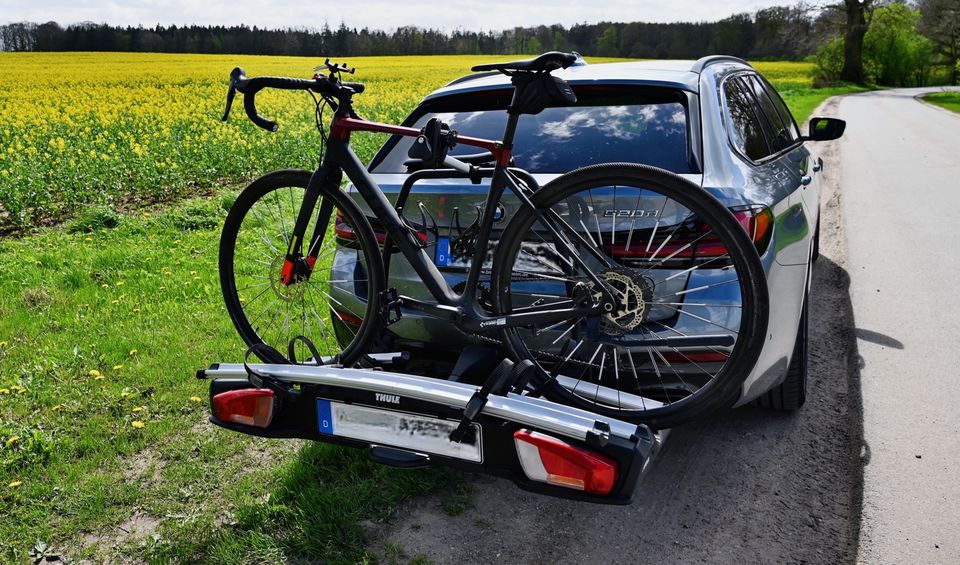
[628, 290]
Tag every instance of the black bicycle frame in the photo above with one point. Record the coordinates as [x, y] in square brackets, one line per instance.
[463, 309]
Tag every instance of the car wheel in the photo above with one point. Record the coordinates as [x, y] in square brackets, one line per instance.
[792, 392]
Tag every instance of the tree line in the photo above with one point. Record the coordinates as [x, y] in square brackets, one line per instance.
[786, 32]
[890, 42]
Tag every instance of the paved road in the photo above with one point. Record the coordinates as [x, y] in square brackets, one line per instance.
[901, 194]
[750, 486]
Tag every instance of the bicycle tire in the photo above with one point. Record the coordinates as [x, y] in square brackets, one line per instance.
[643, 280]
[339, 316]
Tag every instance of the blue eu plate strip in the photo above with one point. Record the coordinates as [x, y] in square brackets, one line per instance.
[325, 417]
[443, 252]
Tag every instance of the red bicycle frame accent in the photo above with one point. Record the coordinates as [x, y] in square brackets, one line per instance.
[342, 127]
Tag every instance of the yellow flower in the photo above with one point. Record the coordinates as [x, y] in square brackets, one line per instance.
[94, 373]
[133, 352]
[57, 407]
[117, 367]
[15, 484]
[4, 391]
[104, 285]
[3, 344]
[120, 283]
[196, 399]
[12, 440]
[98, 378]
[138, 409]
[137, 424]
[88, 239]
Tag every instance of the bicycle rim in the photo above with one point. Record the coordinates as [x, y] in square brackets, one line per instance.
[335, 307]
[689, 313]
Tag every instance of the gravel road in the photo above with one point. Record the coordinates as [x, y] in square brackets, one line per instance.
[745, 486]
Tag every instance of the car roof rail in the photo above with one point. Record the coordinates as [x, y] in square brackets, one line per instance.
[472, 76]
[703, 62]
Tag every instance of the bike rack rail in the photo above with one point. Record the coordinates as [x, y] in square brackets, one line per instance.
[404, 420]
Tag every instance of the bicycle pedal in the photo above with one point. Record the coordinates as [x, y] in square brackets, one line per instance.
[390, 306]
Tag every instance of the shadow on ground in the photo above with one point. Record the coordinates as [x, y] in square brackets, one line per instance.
[748, 485]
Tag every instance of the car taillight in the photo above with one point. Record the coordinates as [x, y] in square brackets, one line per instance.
[696, 357]
[347, 317]
[249, 406]
[756, 221]
[548, 460]
[345, 231]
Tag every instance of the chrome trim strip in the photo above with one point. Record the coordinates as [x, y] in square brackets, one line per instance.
[535, 412]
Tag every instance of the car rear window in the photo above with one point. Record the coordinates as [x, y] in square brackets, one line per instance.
[608, 123]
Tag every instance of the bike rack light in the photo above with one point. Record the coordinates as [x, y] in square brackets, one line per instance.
[250, 407]
[547, 459]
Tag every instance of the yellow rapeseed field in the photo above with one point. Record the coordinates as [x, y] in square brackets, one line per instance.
[112, 128]
[77, 128]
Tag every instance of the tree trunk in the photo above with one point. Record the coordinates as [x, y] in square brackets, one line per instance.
[853, 40]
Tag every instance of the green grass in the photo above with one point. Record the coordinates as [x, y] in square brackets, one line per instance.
[802, 101]
[103, 425]
[948, 100]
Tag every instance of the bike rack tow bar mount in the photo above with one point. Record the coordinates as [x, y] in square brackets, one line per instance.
[407, 421]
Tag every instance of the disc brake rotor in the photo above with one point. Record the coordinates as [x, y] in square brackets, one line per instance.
[632, 293]
[290, 292]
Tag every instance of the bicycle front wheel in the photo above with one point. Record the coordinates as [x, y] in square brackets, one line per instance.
[672, 280]
[335, 305]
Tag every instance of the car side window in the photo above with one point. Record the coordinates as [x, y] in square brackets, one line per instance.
[781, 131]
[744, 128]
[785, 114]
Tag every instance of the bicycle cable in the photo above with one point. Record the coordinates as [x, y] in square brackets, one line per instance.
[319, 105]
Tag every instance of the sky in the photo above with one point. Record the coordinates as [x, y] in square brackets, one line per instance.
[375, 14]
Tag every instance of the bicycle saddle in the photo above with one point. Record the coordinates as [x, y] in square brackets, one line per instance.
[550, 61]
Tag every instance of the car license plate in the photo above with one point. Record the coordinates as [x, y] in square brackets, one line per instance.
[397, 429]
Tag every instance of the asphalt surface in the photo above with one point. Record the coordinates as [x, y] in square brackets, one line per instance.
[750, 485]
[901, 193]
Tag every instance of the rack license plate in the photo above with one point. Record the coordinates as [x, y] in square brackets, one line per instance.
[415, 432]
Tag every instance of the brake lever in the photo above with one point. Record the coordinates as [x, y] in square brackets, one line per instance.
[236, 76]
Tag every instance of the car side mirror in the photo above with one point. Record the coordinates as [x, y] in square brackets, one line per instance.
[825, 129]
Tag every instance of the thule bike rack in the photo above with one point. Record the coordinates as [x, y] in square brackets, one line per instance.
[408, 420]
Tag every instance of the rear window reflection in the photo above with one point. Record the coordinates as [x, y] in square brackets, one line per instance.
[636, 127]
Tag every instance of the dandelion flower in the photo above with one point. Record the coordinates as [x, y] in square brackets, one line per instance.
[137, 424]
[57, 407]
[4, 391]
[104, 285]
[94, 373]
[12, 440]
[3, 344]
[196, 399]
[138, 409]
[133, 352]
[117, 367]
[120, 283]
[15, 484]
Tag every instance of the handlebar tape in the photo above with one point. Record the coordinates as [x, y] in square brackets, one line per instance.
[250, 88]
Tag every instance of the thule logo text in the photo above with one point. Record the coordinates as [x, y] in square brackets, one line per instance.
[389, 398]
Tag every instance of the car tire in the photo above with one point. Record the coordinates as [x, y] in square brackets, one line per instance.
[791, 394]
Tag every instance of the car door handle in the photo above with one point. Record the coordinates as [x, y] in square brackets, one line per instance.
[806, 180]
[817, 167]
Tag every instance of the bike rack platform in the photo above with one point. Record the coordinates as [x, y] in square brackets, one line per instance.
[406, 420]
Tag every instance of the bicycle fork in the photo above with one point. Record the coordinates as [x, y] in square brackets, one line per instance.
[296, 267]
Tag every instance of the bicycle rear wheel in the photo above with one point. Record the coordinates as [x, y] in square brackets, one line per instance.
[688, 302]
[336, 307]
